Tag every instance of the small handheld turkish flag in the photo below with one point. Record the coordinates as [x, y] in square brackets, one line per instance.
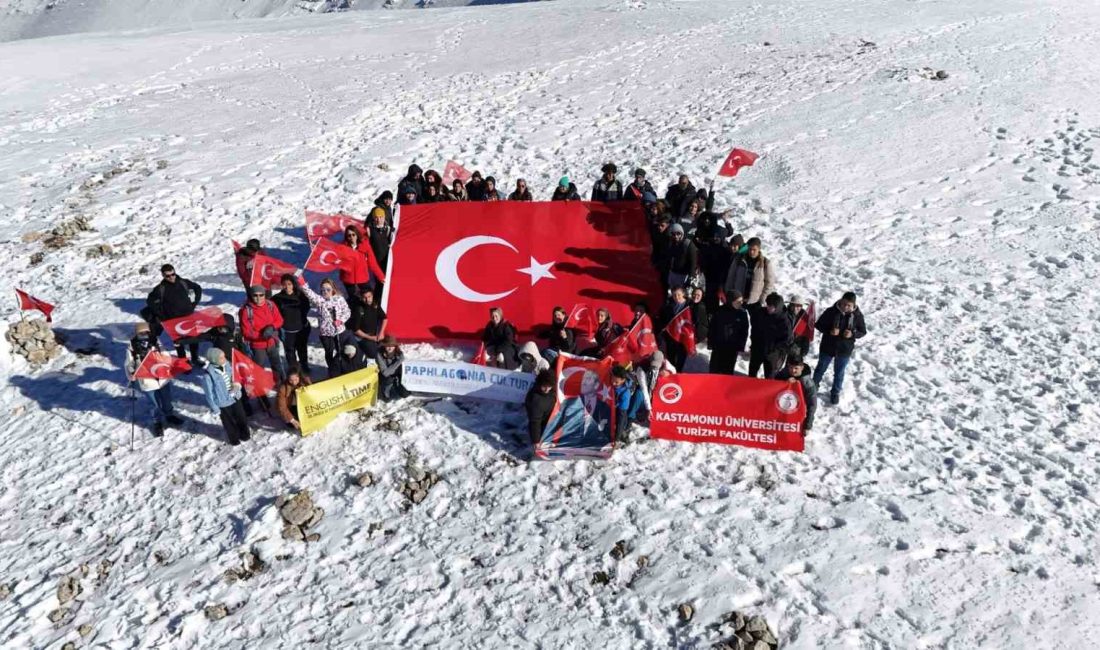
[28, 302]
[582, 319]
[256, 380]
[268, 271]
[194, 324]
[236, 245]
[737, 159]
[454, 170]
[481, 358]
[159, 365]
[320, 225]
[328, 256]
[804, 328]
[635, 344]
[682, 330]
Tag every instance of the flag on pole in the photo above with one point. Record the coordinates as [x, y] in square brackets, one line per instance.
[682, 330]
[328, 256]
[453, 171]
[268, 271]
[481, 358]
[256, 380]
[635, 344]
[160, 365]
[583, 319]
[737, 159]
[804, 328]
[27, 302]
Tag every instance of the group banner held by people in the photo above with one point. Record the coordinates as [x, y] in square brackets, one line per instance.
[320, 403]
[467, 380]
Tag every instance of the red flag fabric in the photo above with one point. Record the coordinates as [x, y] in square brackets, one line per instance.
[461, 258]
[481, 359]
[319, 225]
[201, 321]
[453, 170]
[328, 256]
[256, 380]
[583, 319]
[804, 328]
[729, 410]
[635, 344]
[267, 271]
[737, 159]
[27, 302]
[159, 365]
[682, 330]
[236, 245]
[582, 424]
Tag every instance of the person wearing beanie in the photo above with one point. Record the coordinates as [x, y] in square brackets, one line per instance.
[491, 192]
[380, 238]
[565, 191]
[607, 187]
[413, 182]
[681, 258]
[385, 202]
[475, 187]
[637, 190]
[728, 332]
[752, 274]
[796, 313]
[840, 326]
[158, 392]
[260, 323]
[223, 396]
[796, 371]
[770, 336]
[245, 258]
[391, 369]
[350, 360]
[539, 404]
[521, 193]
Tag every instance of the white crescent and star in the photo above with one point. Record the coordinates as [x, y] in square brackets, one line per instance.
[446, 269]
[160, 374]
[321, 258]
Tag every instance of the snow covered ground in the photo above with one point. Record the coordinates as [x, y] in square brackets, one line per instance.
[949, 502]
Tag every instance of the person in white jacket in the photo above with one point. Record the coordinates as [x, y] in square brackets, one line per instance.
[333, 310]
[158, 392]
[530, 360]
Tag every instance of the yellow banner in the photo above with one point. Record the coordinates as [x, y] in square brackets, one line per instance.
[320, 403]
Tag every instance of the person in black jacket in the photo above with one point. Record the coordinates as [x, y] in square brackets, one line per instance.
[797, 371]
[559, 337]
[539, 403]
[771, 336]
[698, 315]
[729, 329]
[678, 194]
[565, 191]
[521, 193]
[639, 188]
[351, 360]
[475, 187]
[607, 330]
[294, 306]
[174, 297]
[840, 326]
[682, 258]
[499, 338]
[384, 201]
[608, 188]
[415, 180]
[380, 237]
[369, 324]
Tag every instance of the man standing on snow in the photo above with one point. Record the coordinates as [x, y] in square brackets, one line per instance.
[729, 329]
[608, 188]
[840, 326]
[639, 188]
[260, 322]
[752, 274]
[174, 297]
[245, 259]
[157, 391]
[771, 336]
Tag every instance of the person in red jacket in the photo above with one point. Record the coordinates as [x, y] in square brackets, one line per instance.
[260, 323]
[367, 273]
[245, 258]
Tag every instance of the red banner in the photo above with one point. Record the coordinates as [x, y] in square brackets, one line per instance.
[256, 380]
[28, 302]
[195, 324]
[267, 271]
[635, 344]
[729, 410]
[320, 225]
[328, 256]
[461, 258]
[159, 365]
[582, 424]
[737, 159]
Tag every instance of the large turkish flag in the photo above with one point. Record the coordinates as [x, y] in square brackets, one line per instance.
[451, 262]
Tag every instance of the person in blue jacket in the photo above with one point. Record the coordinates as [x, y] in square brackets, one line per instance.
[628, 399]
[223, 396]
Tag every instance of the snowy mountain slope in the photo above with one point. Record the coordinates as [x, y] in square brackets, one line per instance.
[949, 502]
[21, 19]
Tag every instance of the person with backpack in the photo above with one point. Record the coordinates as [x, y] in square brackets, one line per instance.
[499, 338]
[521, 192]
[608, 188]
[728, 331]
[770, 336]
[637, 190]
[391, 370]
[294, 307]
[260, 323]
[628, 399]
[174, 297]
[565, 191]
[223, 396]
[840, 325]
[158, 392]
[796, 371]
[245, 258]
[334, 312]
[678, 194]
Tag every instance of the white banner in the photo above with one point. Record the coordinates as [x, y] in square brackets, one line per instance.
[467, 380]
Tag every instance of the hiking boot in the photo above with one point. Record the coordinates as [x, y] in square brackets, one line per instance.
[158, 429]
[175, 420]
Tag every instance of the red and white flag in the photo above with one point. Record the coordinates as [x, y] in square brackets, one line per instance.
[481, 358]
[737, 159]
[195, 324]
[635, 344]
[256, 380]
[319, 225]
[236, 245]
[583, 319]
[328, 256]
[268, 271]
[27, 302]
[452, 261]
[160, 365]
[682, 330]
[453, 170]
[804, 328]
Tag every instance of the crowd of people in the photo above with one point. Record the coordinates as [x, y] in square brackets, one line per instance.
[701, 263]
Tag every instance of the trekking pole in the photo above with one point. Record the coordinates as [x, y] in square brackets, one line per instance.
[133, 415]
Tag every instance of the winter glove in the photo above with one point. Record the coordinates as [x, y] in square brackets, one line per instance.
[267, 332]
[338, 323]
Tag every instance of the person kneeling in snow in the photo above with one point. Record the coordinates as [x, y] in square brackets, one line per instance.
[286, 398]
[628, 399]
[539, 404]
[157, 391]
[223, 396]
[797, 371]
[390, 360]
[351, 360]
[499, 338]
[530, 360]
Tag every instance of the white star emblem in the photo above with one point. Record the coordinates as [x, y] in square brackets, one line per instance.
[538, 271]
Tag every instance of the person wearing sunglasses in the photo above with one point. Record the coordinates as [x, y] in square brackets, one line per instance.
[333, 312]
[174, 297]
